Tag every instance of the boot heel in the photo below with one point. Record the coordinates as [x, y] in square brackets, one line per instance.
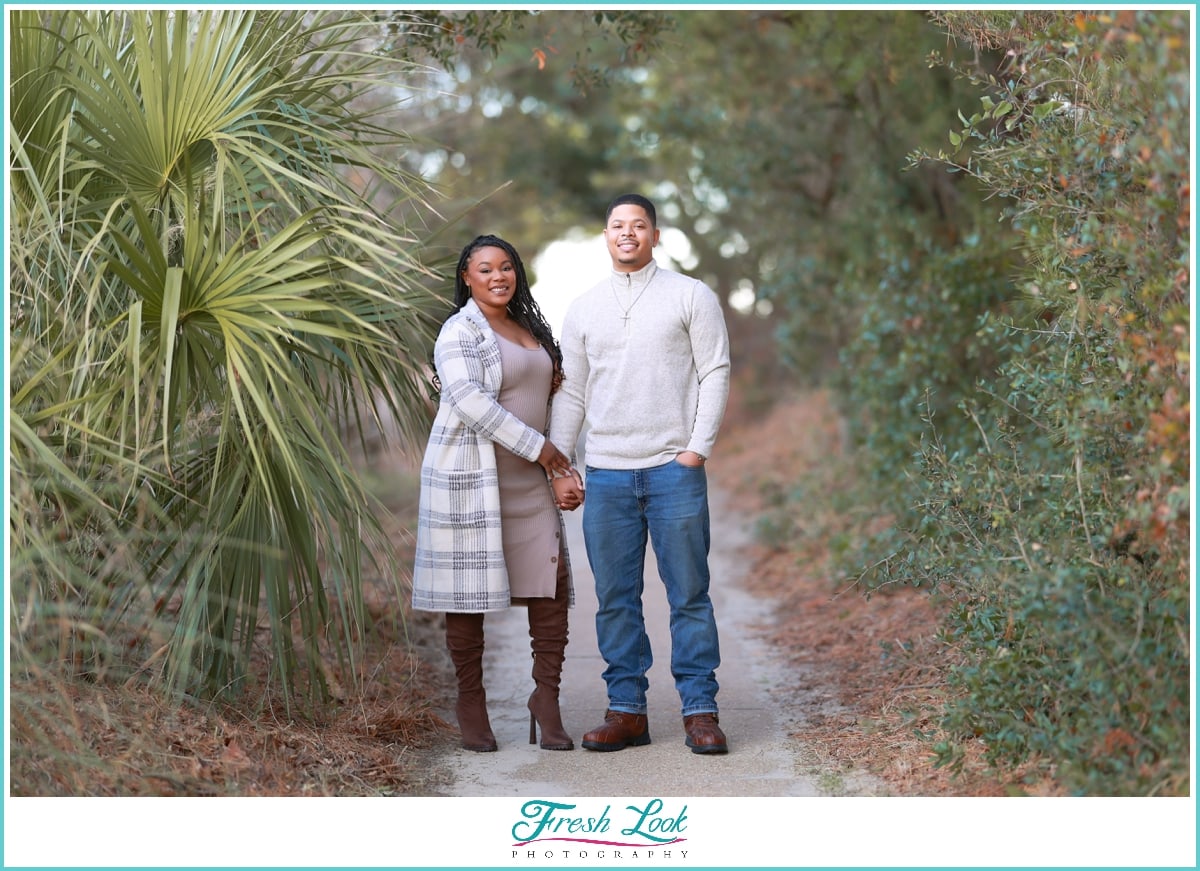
[532, 728]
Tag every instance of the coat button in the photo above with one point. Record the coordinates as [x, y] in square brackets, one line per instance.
[553, 559]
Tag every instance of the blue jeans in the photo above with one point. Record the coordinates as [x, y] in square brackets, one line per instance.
[670, 503]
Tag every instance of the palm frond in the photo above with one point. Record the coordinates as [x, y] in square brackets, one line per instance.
[212, 296]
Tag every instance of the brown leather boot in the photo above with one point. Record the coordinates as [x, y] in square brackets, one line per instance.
[704, 735]
[548, 640]
[620, 730]
[464, 639]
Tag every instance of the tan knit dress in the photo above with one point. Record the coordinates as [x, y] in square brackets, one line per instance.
[528, 518]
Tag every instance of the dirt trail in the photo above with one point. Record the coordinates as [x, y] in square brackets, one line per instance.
[757, 698]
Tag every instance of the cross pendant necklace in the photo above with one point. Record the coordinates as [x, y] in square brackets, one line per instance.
[625, 310]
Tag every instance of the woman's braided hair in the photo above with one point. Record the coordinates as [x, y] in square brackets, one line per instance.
[523, 308]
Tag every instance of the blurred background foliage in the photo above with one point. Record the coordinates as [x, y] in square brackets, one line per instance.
[972, 226]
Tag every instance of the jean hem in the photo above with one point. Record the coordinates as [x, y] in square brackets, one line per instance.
[629, 709]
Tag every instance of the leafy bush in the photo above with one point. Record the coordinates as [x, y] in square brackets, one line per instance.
[918, 350]
[1064, 538]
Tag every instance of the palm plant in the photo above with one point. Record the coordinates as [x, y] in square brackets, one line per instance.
[205, 299]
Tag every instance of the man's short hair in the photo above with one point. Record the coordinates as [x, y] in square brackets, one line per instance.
[633, 200]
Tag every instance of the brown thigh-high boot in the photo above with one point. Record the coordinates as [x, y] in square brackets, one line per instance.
[464, 639]
[548, 640]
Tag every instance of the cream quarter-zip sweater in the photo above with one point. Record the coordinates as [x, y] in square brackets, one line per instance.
[650, 389]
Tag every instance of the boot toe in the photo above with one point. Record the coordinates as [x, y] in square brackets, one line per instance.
[704, 735]
[620, 730]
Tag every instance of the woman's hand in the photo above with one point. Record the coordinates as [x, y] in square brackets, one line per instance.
[554, 461]
[568, 491]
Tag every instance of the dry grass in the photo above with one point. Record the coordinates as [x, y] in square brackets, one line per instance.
[382, 735]
[79, 739]
[93, 739]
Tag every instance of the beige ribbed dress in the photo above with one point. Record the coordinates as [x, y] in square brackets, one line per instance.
[528, 518]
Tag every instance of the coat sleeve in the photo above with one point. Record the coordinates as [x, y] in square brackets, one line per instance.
[459, 357]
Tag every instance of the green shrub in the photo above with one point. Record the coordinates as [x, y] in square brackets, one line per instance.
[918, 350]
[1064, 538]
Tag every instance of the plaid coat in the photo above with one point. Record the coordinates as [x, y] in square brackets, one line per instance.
[459, 562]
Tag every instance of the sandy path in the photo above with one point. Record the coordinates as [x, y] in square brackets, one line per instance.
[755, 689]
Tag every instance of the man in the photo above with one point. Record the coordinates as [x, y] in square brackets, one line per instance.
[646, 357]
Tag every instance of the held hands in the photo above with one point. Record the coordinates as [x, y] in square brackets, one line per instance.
[564, 478]
[568, 491]
[554, 461]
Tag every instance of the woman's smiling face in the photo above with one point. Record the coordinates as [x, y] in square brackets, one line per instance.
[492, 277]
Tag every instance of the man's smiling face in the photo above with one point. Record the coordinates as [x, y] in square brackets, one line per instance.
[631, 237]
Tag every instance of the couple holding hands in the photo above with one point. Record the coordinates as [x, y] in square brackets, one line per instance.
[643, 362]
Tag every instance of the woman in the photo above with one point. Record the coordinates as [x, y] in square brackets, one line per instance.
[489, 535]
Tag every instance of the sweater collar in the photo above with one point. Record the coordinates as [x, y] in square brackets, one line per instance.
[637, 279]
